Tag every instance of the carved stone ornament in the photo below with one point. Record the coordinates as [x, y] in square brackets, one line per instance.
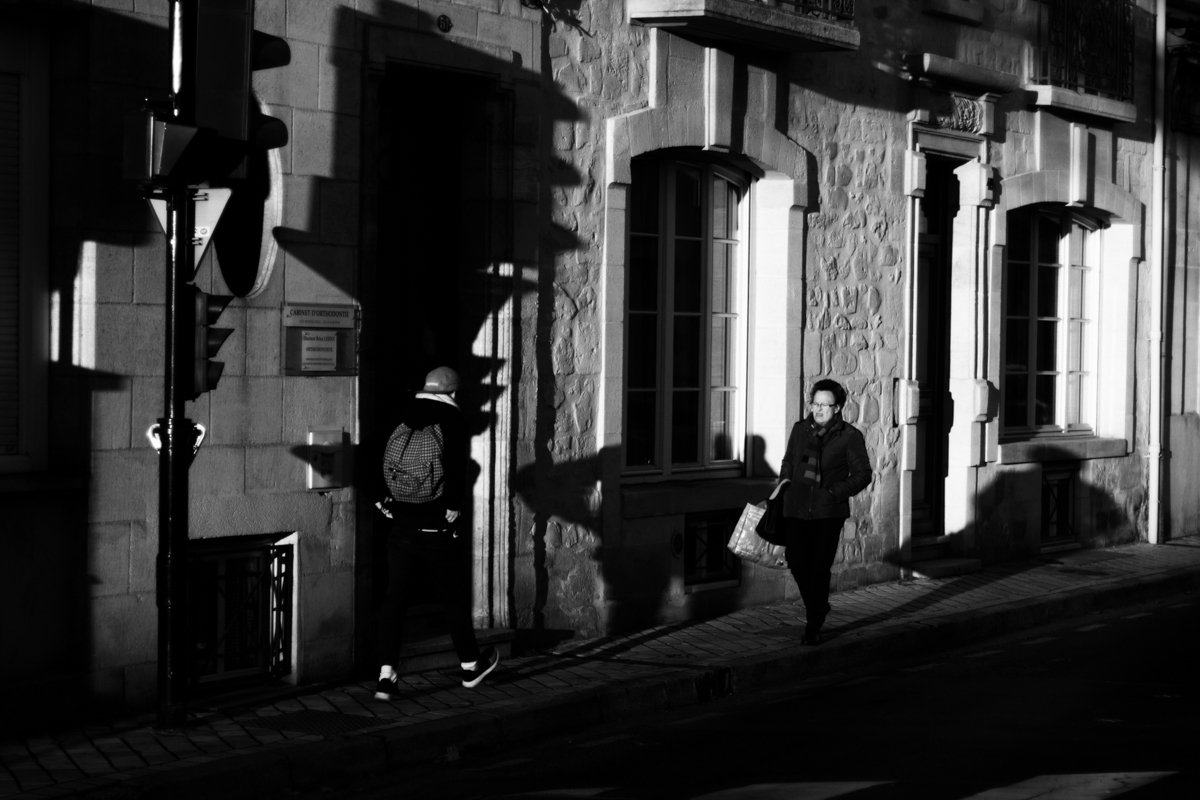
[967, 116]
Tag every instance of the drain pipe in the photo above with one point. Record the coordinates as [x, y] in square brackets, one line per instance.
[1157, 351]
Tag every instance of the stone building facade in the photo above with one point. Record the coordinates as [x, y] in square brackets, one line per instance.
[641, 230]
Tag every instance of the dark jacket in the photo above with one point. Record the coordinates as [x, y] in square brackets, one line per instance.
[418, 413]
[845, 471]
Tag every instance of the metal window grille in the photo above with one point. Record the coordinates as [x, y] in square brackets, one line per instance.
[706, 557]
[240, 602]
[825, 9]
[1087, 46]
[1058, 505]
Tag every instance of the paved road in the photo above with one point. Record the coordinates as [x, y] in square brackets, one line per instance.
[1098, 706]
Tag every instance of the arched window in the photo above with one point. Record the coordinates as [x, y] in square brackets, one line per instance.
[1051, 302]
[685, 299]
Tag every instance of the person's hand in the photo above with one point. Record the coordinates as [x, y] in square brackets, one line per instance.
[779, 488]
[383, 509]
[451, 515]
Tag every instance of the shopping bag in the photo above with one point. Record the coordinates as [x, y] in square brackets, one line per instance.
[746, 544]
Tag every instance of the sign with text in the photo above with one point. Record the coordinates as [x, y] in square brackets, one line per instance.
[318, 351]
[320, 340]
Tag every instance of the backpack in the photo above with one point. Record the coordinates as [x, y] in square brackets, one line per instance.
[412, 463]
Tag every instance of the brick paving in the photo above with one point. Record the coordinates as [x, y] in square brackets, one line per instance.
[79, 761]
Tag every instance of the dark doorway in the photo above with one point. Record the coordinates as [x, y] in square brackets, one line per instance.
[935, 247]
[440, 146]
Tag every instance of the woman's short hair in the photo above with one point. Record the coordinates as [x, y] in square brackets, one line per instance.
[833, 387]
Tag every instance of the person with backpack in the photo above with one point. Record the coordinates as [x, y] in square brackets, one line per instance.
[425, 470]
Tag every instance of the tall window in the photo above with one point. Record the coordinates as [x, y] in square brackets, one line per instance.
[24, 122]
[1050, 299]
[684, 342]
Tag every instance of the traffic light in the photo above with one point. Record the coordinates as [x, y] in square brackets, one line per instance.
[206, 341]
[228, 52]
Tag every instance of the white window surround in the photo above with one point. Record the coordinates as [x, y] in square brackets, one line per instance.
[24, 52]
[1113, 433]
[698, 112]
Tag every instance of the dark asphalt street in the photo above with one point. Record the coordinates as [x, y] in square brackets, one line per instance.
[1099, 706]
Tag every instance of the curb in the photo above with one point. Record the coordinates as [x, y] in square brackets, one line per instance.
[306, 766]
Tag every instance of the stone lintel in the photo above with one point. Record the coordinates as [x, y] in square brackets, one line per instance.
[951, 70]
[968, 12]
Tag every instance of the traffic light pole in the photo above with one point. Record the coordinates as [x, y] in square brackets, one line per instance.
[176, 431]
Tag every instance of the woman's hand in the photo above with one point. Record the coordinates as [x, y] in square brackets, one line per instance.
[779, 487]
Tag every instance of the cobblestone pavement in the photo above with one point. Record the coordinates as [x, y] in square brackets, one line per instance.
[653, 668]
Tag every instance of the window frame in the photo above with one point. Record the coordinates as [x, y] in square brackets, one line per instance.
[667, 165]
[1069, 221]
[24, 51]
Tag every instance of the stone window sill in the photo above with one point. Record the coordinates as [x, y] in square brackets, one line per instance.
[1062, 448]
[672, 498]
[1056, 97]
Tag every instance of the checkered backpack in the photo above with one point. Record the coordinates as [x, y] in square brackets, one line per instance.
[412, 463]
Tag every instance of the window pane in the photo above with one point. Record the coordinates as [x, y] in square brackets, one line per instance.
[1047, 302]
[685, 427]
[720, 277]
[1076, 240]
[1016, 401]
[720, 211]
[1047, 346]
[1073, 407]
[721, 355]
[1075, 293]
[721, 416]
[1016, 342]
[1049, 234]
[689, 275]
[1044, 410]
[686, 357]
[643, 197]
[643, 273]
[1018, 290]
[1018, 235]
[641, 427]
[687, 202]
[1075, 346]
[643, 351]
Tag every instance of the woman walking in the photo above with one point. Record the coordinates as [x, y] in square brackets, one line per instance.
[825, 465]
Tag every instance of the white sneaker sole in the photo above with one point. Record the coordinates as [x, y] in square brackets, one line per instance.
[472, 684]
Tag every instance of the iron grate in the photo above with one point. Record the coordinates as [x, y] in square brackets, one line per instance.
[321, 723]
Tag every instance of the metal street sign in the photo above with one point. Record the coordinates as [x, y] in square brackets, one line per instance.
[210, 203]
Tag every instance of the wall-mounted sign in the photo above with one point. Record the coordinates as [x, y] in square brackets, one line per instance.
[318, 350]
[320, 340]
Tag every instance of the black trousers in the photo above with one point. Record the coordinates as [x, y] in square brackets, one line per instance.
[443, 557]
[811, 547]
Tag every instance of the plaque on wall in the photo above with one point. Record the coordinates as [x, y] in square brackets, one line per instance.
[320, 340]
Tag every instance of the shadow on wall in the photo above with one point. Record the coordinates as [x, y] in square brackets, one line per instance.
[448, 173]
[76, 552]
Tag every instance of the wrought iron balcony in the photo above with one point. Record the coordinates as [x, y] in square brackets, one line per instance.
[793, 25]
[1087, 46]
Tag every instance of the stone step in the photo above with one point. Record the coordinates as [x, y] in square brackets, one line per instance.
[945, 567]
[437, 652]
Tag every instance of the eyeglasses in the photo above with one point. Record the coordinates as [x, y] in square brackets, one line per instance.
[823, 405]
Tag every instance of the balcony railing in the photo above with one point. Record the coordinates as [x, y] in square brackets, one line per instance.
[823, 9]
[1087, 46]
[790, 25]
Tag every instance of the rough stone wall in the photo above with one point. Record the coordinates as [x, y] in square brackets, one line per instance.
[598, 63]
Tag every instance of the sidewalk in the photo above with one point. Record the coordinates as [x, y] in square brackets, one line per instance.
[305, 741]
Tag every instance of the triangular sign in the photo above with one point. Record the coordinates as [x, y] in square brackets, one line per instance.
[210, 203]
